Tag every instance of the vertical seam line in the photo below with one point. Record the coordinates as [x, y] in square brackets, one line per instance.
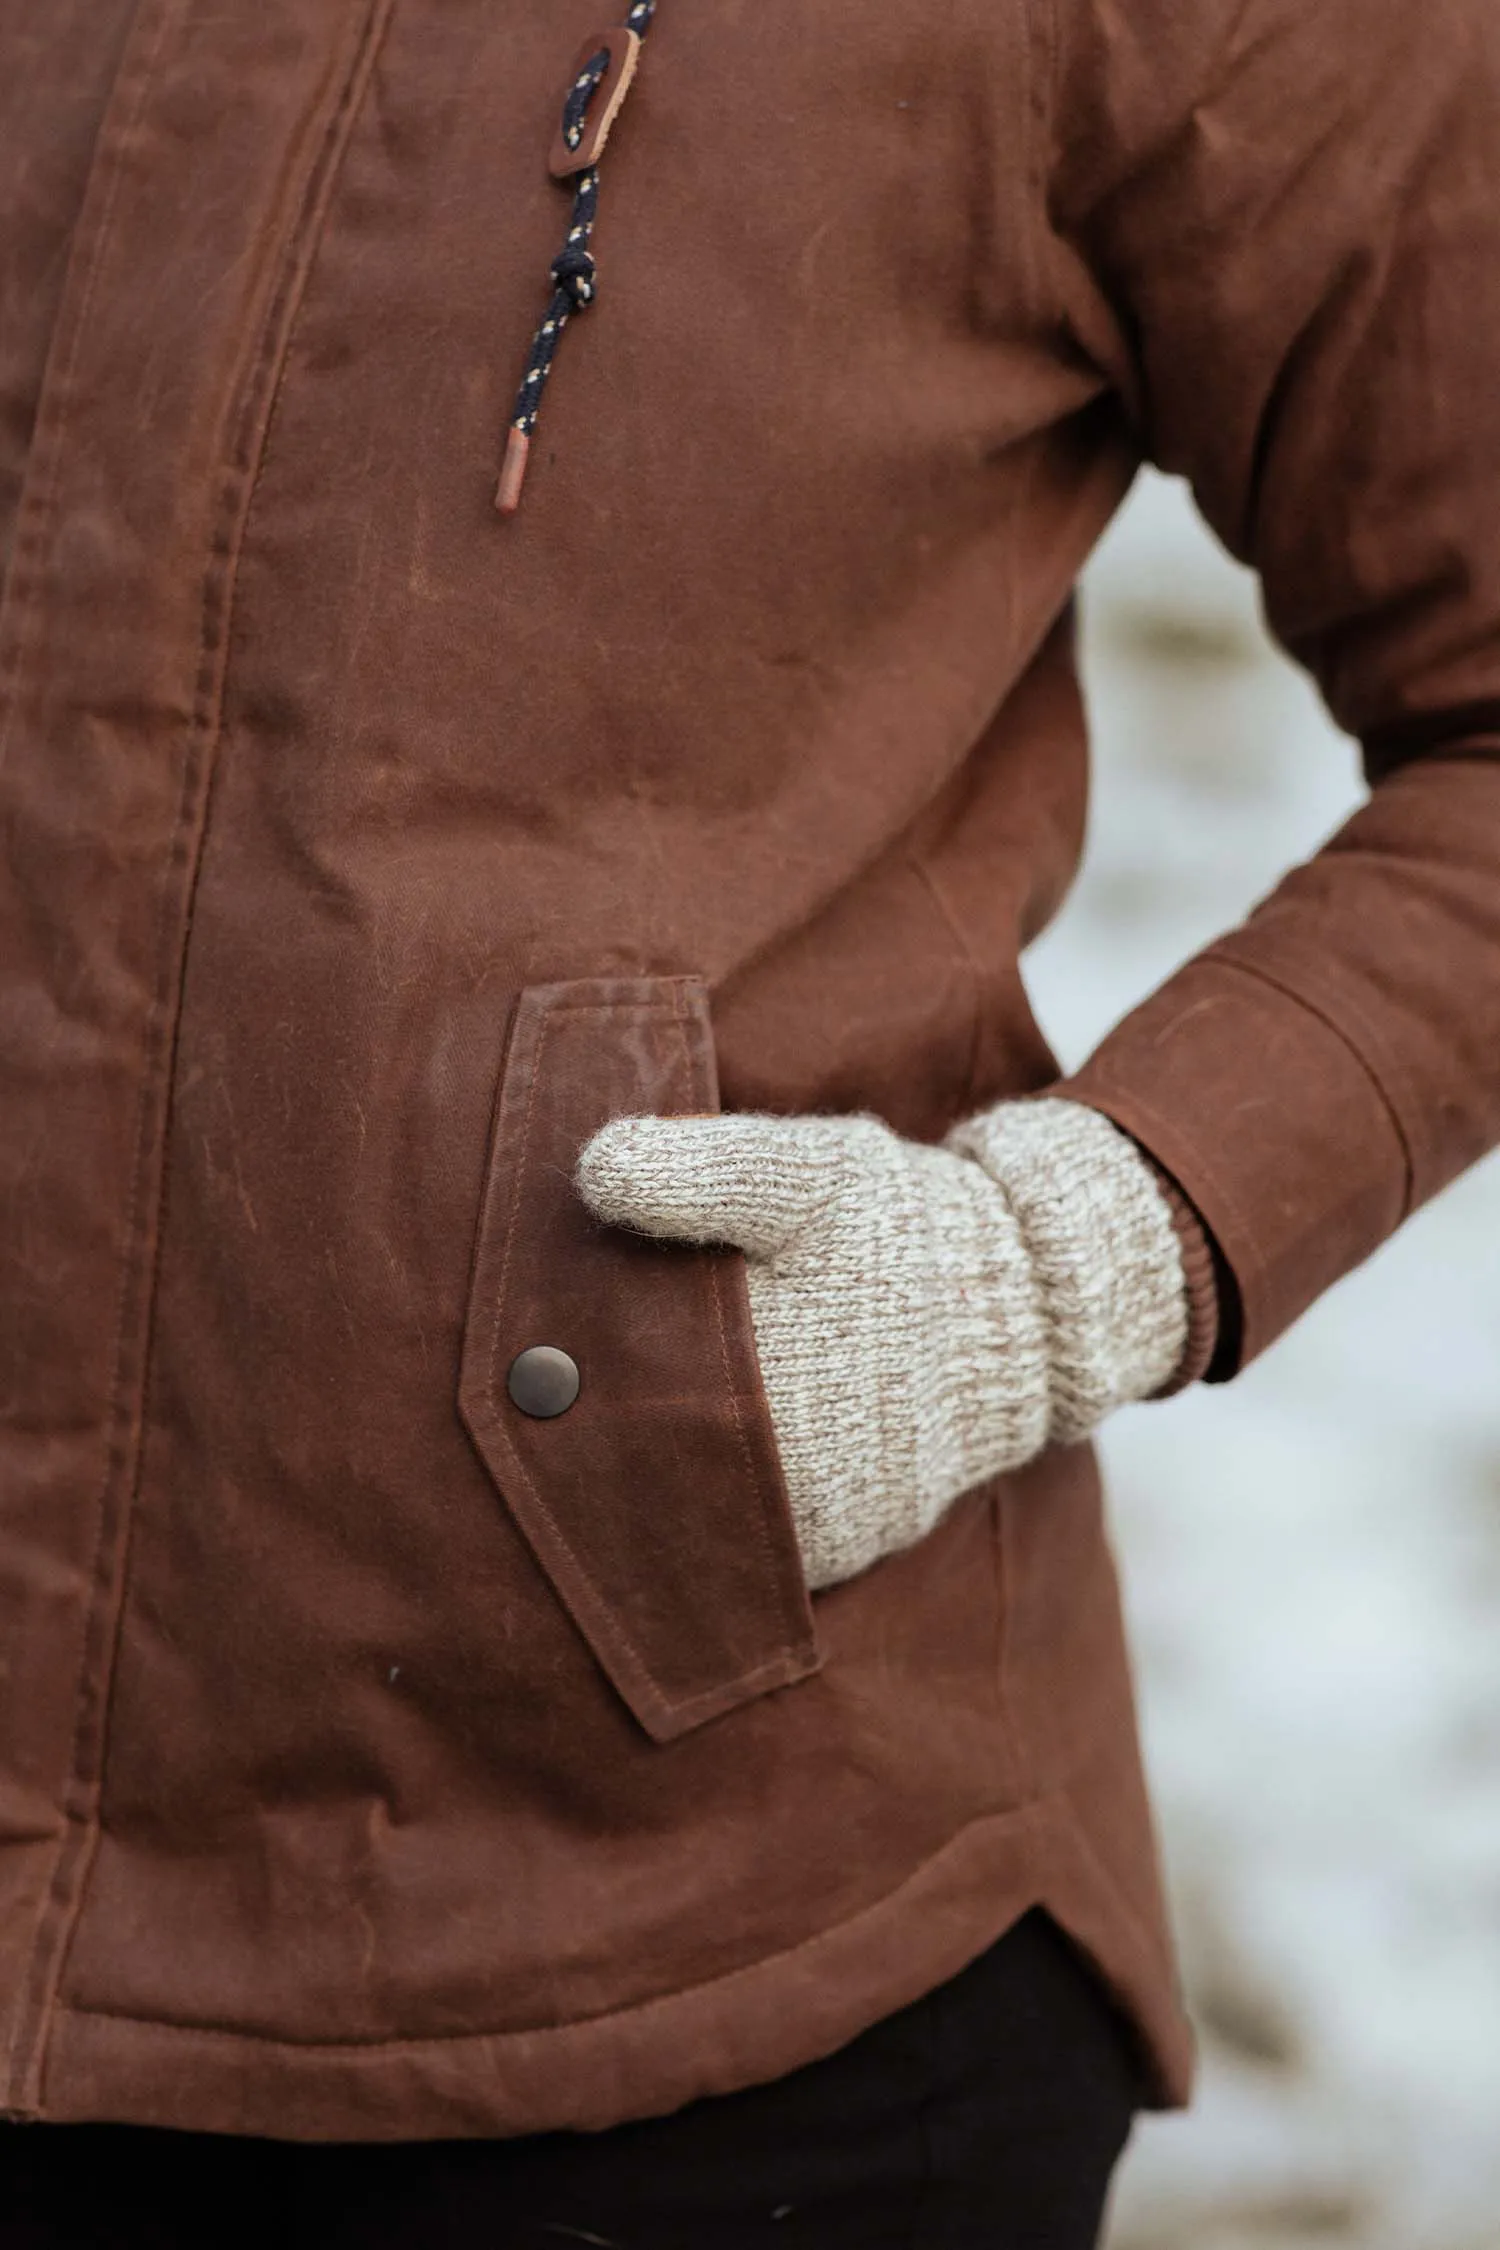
[78, 1843]
[25, 594]
[22, 593]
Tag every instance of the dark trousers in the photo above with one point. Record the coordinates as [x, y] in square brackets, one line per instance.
[987, 2116]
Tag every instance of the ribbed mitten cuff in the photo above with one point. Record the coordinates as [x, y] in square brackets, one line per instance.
[1104, 1252]
[1200, 1273]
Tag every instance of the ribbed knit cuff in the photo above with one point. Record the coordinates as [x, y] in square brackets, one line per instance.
[1103, 1249]
[1200, 1278]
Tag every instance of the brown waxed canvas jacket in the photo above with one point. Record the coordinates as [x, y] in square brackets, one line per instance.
[375, 1762]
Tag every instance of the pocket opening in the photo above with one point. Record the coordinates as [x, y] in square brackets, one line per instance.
[655, 1502]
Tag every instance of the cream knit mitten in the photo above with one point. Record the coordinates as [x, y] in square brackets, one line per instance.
[924, 1317]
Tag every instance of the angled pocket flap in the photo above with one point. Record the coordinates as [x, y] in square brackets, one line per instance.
[653, 1501]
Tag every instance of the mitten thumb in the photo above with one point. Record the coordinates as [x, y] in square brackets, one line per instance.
[746, 1180]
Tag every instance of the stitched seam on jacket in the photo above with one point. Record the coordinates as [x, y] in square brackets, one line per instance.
[769, 1668]
[544, 1032]
[21, 603]
[1351, 1014]
[1023, 1817]
[24, 601]
[79, 1839]
[1249, 1268]
[539, 1048]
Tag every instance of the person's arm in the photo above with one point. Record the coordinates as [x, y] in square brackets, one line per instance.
[1276, 228]
[1277, 231]
[925, 1318]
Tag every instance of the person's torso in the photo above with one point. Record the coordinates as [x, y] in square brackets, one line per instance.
[345, 1715]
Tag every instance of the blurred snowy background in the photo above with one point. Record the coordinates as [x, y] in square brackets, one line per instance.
[1312, 1555]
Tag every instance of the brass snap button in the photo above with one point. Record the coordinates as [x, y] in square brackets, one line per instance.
[543, 1381]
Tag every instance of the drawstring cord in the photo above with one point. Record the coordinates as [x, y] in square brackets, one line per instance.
[574, 275]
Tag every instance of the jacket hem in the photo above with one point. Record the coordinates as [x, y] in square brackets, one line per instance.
[750, 2025]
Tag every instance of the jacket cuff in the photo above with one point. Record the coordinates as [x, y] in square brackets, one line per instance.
[1271, 1125]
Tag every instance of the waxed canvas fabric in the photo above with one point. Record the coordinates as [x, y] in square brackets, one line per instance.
[372, 1766]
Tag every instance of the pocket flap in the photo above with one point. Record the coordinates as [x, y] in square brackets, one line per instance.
[655, 1501]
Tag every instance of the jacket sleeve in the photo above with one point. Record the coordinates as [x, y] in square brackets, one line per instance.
[1275, 227]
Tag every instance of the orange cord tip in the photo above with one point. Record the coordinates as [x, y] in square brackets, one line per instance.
[512, 472]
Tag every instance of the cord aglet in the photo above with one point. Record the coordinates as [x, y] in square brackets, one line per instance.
[512, 472]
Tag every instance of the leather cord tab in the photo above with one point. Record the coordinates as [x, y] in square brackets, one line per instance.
[623, 48]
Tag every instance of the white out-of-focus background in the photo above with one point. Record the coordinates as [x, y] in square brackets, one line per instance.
[1312, 1554]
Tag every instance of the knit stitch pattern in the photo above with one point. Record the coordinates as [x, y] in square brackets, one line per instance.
[925, 1318]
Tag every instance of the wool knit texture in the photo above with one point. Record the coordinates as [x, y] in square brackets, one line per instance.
[925, 1317]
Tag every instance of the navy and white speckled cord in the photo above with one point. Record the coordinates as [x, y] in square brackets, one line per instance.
[574, 275]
